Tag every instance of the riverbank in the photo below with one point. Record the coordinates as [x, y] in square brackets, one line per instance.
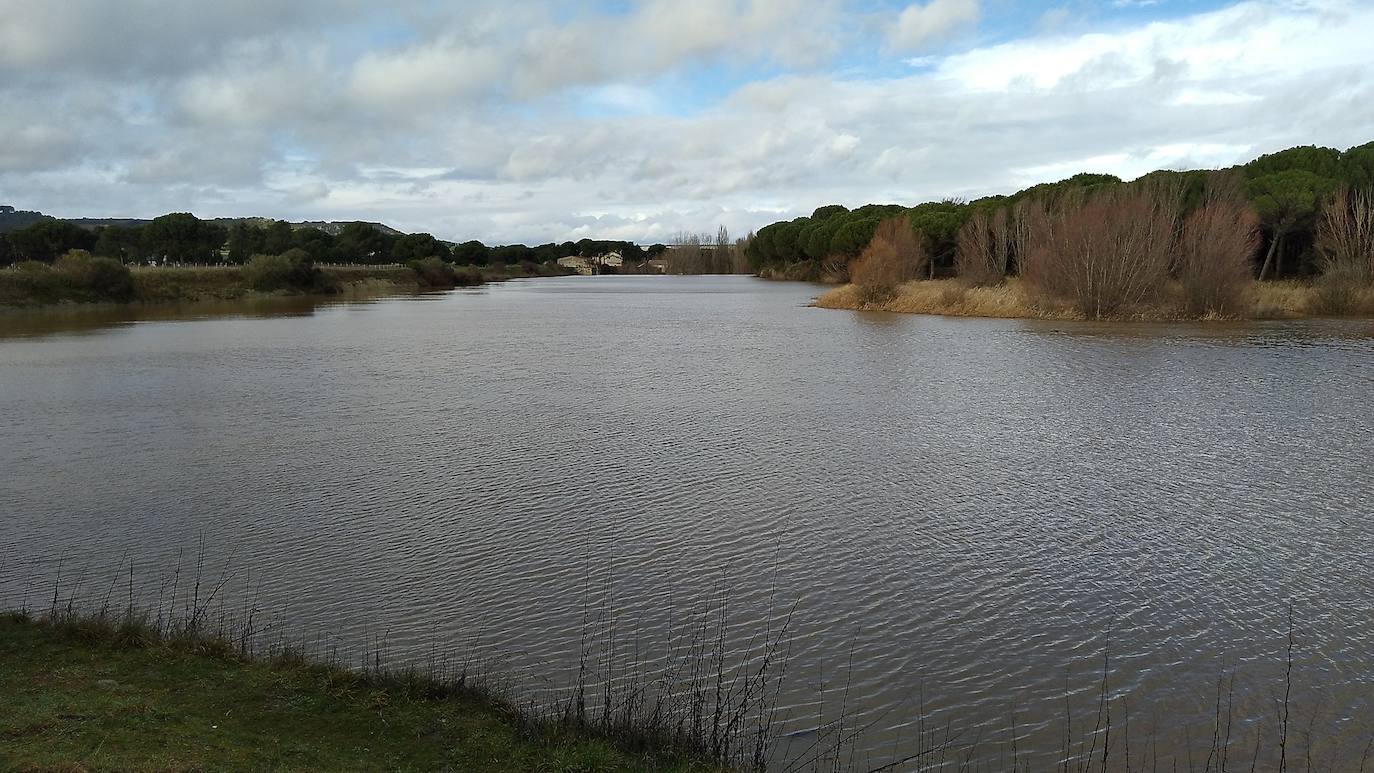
[1011, 300]
[37, 286]
[86, 695]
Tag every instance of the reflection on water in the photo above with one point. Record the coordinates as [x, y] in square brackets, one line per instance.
[76, 318]
[971, 507]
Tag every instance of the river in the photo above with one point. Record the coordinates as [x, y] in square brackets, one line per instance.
[970, 517]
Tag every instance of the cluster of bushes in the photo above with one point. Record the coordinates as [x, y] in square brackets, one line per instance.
[435, 273]
[293, 270]
[1104, 246]
[76, 276]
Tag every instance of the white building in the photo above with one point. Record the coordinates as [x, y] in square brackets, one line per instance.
[589, 266]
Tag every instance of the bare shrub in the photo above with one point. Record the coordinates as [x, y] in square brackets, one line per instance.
[1345, 235]
[984, 248]
[1215, 251]
[894, 255]
[1345, 238]
[1105, 255]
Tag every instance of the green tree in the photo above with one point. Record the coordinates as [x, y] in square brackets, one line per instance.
[1286, 201]
[851, 238]
[244, 241]
[814, 240]
[319, 244]
[362, 243]
[181, 236]
[1323, 162]
[1357, 166]
[939, 224]
[829, 211]
[278, 238]
[122, 244]
[416, 247]
[472, 253]
[46, 240]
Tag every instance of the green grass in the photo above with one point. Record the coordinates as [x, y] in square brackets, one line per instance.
[85, 698]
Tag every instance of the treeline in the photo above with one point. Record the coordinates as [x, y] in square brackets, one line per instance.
[184, 238]
[1293, 197]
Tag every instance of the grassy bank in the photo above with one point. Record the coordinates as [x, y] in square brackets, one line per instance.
[1012, 300]
[89, 695]
[35, 285]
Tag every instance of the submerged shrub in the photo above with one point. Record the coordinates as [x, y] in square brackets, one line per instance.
[291, 270]
[1216, 249]
[893, 256]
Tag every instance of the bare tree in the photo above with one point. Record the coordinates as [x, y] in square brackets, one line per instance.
[983, 253]
[739, 256]
[685, 254]
[1345, 235]
[720, 254]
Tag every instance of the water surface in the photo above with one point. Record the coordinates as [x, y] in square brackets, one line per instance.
[967, 514]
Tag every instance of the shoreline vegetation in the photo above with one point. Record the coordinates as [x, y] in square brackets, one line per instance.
[178, 257]
[202, 677]
[1285, 236]
[78, 277]
[91, 693]
[1013, 299]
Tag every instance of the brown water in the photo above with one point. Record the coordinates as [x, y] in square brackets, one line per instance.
[964, 511]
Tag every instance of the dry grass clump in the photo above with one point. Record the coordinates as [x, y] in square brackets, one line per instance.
[893, 256]
[951, 297]
[1342, 290]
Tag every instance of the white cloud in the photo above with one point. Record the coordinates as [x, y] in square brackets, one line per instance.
[919, 25]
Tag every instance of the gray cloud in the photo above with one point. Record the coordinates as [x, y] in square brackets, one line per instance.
[498, 124]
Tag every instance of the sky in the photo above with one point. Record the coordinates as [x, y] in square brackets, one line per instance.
[543, 120]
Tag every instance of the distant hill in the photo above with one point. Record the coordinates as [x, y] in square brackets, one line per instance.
[12, 219]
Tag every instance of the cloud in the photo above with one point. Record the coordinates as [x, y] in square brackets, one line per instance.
[919, 25]
[425, 74]
[542, 121]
